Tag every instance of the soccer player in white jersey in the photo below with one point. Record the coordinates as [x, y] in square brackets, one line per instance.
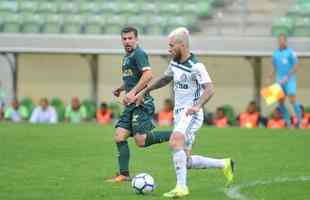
[192, 88]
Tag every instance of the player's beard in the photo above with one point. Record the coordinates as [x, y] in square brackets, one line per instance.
[128, 48]
[177, 55]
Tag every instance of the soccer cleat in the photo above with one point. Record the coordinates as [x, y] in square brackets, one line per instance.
[177, 192]
[228, 171]
[119, 178]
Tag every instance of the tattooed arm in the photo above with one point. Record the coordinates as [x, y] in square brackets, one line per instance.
[207, 94]
[205, 97]
[156, 84]
[159, 83]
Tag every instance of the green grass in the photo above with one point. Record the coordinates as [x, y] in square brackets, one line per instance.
[71, 162]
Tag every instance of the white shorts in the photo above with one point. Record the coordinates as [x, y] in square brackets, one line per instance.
[187, 125]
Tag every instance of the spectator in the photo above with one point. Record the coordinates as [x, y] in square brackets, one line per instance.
[276, 120]
[165, 116]
[250, 118]
[75, 112]
[104, 114]
[44, 113]
[16, 112]
[304, 120]
[220, 120]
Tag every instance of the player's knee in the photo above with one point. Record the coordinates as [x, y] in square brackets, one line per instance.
[176, 141]
[119, 136]
[140, 141]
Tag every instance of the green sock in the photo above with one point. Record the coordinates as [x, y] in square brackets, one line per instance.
[157, 137]
[123, 157]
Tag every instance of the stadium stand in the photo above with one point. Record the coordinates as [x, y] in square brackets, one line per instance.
[90, 108]
[93, 16]
[296, 22]
[58, 104]
[224, 17]
[101, 22]
[28, 104]
[230, 113]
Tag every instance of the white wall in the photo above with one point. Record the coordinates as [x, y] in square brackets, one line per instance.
[6, 78]
[65, 76]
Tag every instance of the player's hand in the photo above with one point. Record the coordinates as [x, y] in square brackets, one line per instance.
[192, 110]
[129, 98]
[117, 92]
[140, 99]
[284, 80]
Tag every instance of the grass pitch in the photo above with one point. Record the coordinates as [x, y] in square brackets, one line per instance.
[70, 162]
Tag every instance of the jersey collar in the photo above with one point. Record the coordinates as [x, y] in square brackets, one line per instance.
[131, 53]
[283, 49]
[189, 58]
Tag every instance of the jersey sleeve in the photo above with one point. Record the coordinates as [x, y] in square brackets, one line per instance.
[68, 111]
[142, 61]
[201, 74]
[83, 112]
[34, 116]
[53, 116]
[293, 57]
[8, 113]
[168, 71]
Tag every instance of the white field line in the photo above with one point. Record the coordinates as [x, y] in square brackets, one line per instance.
[234, 192]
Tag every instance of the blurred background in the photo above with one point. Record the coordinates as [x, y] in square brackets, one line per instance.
[64, 49]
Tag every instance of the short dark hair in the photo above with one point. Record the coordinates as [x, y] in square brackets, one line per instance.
[252, 103]
[104, 105]
[44, 99]
[220, 109]
[129, 29]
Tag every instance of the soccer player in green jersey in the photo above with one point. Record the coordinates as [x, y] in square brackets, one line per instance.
[135, 121]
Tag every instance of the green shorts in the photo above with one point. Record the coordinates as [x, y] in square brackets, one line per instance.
[137, 119]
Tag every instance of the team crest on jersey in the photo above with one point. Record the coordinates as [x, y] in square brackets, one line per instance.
[125, 61]
[284, 61]
[183, 78]
[127, 72]
[183, 82]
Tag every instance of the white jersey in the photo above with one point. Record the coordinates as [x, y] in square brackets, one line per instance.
[187, 78]
[49, 115]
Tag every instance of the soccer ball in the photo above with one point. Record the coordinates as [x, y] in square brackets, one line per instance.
[143, 183]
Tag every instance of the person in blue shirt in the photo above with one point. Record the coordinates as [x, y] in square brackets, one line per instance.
[285, 66]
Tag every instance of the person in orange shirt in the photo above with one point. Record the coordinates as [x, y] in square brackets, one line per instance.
[165, 116]
[103, 114]
[250, 118]
[276, 120]
[220, 120]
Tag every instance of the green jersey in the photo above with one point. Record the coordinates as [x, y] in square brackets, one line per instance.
[136, 119]
[132, 67]
[16, 115]
[76, 116]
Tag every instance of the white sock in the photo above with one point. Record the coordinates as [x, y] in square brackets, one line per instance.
[201, 162]
[179, 161]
